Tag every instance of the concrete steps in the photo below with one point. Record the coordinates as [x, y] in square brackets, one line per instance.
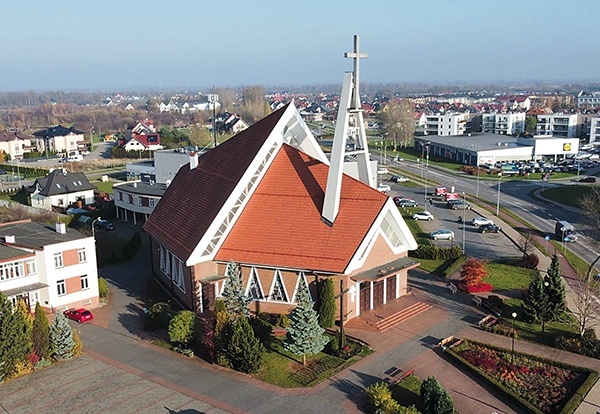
[401, 316]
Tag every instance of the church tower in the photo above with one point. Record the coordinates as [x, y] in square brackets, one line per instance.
[349, 140]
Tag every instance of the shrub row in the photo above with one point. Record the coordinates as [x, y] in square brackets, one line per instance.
[431, 252]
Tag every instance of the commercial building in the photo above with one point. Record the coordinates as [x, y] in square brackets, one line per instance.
[478, 149]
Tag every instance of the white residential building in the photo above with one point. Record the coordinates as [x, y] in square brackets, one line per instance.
[61, 188]
[558, 125]
[15, 144]
[60, 139]
[588, 99]
[446, 124]
[53, 266]
[504, 124]
[594, 130]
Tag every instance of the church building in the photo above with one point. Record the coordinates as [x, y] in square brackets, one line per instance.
[271, 201]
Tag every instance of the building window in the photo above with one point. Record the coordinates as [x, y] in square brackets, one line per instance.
[31, 267]
[85, 284]
[139, 201]
[151, 202]
[278, 291]
[254, 290]
[58, 260]
[61, 287]
[120, 195]
[81, 255]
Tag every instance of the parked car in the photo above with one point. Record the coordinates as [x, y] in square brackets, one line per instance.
[481, 221]
[459, 205]
[384, 188]
[406, 202]
[79, 315]
[442, 234]
[587, 179]
[2, 172]
[382, 170]
[489, 228]
[423, 215]
[398, 179]
[104, 225]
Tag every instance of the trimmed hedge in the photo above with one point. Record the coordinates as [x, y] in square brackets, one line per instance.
[570, 406]
[455, 265]
[432, 252]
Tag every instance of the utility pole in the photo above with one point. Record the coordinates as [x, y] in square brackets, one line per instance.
[341, 296]
[213, 98]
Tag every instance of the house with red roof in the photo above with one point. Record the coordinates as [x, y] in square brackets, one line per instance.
[258, 200]
[141, 142]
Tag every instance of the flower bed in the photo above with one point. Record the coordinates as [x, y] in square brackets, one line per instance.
[538, 384]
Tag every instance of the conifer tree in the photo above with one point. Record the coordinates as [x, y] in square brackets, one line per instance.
[23, 309]
[14, 342]
[443, 403]
[40, 333]
[234, 296]
[304, 336]
[327, 306]
[430, 389]
[535, 303]
[555, 291]
[182, 328]
[61, 338]
[244, 350]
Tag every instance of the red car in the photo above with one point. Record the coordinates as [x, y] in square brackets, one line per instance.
[79, 315]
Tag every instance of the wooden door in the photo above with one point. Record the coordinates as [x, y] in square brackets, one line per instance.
[377, 294]
[390, 293]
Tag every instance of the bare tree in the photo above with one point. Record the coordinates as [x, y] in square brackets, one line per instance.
[587, 289]
[526, 243]
[397, 122]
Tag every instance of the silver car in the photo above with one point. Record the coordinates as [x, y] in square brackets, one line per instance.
[442, 234]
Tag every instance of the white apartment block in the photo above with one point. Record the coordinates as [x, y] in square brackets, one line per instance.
[55, 267]
[446, 124]
[504, 124]
[591, 99]
[558, 125]
[594, 130]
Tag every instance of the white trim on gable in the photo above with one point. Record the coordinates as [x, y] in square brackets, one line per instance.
[215, 235]
[399, 237]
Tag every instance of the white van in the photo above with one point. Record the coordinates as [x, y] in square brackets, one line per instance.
[75, 158]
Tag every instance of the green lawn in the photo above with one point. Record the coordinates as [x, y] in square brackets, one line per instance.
[107, 186]
[284, 369]
[533, 332]
[408, 392]
[568, 195]
[506, 277]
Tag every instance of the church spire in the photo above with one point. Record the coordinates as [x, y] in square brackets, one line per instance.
[349, 133]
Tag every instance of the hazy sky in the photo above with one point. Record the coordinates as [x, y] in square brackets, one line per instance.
[111, 44]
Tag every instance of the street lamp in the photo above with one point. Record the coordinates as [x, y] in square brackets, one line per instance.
[464, 219]
[93, 224]
[545, 304]
[426, 176]
[428, 153]
[477, 194]
[512, 349]
[498, 203]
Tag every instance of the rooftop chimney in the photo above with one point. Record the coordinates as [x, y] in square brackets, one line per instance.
[9, 239]
[193, 160]
[61, 228]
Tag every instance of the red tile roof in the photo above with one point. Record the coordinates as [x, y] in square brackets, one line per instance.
[281, 224]
[196, 196]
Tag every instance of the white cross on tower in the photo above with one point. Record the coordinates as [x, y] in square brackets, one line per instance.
[356, 55]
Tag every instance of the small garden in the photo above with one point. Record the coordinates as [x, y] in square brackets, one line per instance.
[30, 343]
[297, 349]
[537, 384]
[409, 396]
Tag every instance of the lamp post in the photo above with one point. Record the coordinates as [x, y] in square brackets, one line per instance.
[545, 304]
[498, 203]
[18, 172]
[428, 153]
[464, 221]
[426, 176]
[512, 349]
[477, 194]
[213, 98]
[93, 228]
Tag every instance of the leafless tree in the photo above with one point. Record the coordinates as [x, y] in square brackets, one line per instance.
[397, 122]
[587, 289]
[526, 243]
